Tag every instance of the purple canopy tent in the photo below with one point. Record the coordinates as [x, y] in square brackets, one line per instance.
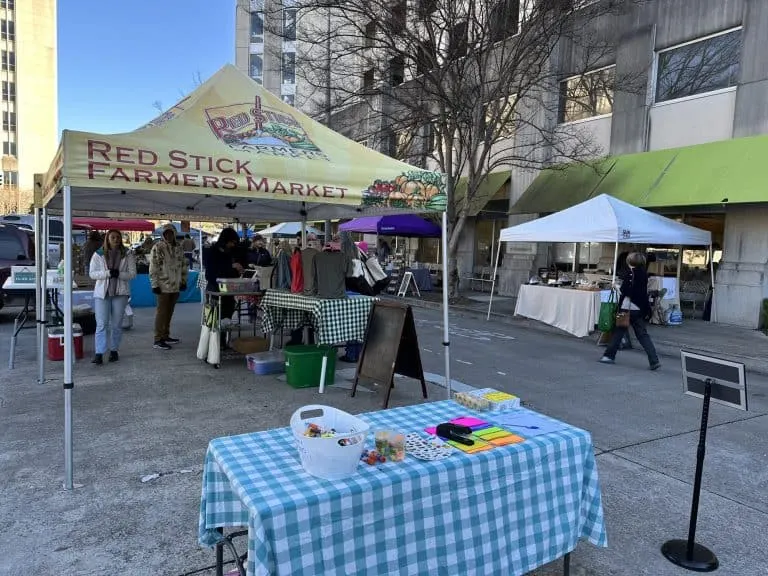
[407, 225]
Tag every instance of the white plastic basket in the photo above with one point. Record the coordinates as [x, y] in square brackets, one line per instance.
[326, 457]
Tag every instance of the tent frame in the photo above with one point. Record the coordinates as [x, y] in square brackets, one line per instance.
[41, 212]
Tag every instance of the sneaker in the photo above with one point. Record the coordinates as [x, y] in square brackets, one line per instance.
[114, 356]
[170, 340]
[607, 360]
[98, 359]
[655, 365]
[162, 345]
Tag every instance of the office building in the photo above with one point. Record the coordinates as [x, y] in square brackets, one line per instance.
[265, 44]
[29, 97]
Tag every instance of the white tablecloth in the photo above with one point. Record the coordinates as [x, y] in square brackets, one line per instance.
[573, 311]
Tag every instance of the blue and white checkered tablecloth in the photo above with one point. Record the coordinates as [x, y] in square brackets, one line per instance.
[502, 511]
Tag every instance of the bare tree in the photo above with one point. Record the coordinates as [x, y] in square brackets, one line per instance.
[466, 88]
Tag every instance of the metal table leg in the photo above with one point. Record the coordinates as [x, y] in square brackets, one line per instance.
[567, 564]
[18, 325]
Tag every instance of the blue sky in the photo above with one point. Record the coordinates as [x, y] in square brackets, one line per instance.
[117, 58]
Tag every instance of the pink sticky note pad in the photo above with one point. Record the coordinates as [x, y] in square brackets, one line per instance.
[469, 422]
[431, 431]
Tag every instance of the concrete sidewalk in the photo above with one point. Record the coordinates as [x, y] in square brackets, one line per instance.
[729, 342]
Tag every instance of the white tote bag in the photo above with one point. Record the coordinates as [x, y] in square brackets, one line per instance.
[214, 348]
[205, 333]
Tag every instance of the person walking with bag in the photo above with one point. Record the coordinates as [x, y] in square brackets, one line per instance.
[634, 309]
[113, 267]
[168, 276]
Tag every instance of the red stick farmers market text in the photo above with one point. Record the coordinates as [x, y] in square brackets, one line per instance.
[137, 165]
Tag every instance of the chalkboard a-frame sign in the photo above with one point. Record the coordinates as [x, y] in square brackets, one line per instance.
[391, 347]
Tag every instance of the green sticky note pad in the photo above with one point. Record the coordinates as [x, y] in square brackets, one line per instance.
[485, 432]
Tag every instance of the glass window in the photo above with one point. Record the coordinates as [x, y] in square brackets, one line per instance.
[10, 178]
[256, 67]
[9, 121]
[587, 96]
[9, 60]
[289, 24]
[10, 4]
[368, 79]
[10, 246]
[9, 148]
[458, 41]
[499, 118]
[396, 71]
[699, 67]
[257, 27]
[289, 99]
[504, 19]
[7, 30]
[9, 91]
[370, 34]
[289, 68]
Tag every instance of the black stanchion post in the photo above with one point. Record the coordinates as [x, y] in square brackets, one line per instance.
[687, 553]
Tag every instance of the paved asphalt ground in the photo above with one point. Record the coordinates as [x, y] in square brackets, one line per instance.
[155, 412]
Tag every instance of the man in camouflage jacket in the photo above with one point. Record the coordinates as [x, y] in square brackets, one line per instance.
[168, 276]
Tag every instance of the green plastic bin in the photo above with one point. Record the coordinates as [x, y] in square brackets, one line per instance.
[304, 363]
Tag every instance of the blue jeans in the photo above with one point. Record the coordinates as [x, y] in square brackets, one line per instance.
[109, 322]
[637, 322]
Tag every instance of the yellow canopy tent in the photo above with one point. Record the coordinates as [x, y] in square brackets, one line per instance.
[234, 150]
[229, 151]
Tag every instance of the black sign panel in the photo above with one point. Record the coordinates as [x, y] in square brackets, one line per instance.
[728, 379]
[391, 347]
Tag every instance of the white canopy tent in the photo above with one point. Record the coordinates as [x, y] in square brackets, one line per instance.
[606, 219]
[229, 151]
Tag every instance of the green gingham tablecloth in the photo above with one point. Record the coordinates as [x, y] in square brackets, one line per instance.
[502, 511]
[334, 320]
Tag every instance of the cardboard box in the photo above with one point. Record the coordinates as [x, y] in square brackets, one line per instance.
[250, 345]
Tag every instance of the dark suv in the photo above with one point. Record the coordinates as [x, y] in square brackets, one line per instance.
[16, 249]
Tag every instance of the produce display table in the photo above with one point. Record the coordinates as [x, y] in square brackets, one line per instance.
[333, 320]
[27, 293]
[573, 311]
[503, 511]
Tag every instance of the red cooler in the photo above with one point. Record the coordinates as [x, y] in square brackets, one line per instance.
[56, 342]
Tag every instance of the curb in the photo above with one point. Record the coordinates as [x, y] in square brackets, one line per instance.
[664, 348]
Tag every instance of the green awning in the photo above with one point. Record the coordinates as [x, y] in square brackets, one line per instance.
[730, 171]
[492, 185]
[559, 188]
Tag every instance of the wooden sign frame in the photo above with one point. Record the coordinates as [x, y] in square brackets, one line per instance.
[397, 351]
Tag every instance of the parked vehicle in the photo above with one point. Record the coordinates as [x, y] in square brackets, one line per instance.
[16, 249]
[55, 233]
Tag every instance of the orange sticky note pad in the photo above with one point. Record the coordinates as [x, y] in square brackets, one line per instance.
[511, 439]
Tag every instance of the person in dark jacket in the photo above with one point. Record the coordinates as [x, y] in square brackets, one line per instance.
[258, 255]
[633, 299]
[219, 262]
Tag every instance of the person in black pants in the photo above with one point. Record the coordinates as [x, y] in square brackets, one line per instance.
[634, 300]
[219, 262]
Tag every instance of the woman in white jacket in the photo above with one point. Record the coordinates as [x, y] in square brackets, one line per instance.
[113, 267]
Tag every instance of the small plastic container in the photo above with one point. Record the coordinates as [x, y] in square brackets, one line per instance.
[381, 439]
[397, 447]
[265, 363]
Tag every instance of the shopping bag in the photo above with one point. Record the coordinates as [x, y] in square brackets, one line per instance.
[202, 345]
[607, 318]
[209, 317]
[214, 348]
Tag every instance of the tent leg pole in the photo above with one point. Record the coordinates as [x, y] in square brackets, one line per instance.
[493, 280]
[202, 272]
[446, 333]
[712, 309]
[68, 342]
[44, 292]
[615, 262]
[40, 269]
[303, 227]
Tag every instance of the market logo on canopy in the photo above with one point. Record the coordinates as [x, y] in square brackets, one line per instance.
[414, 189]
[262, 130]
